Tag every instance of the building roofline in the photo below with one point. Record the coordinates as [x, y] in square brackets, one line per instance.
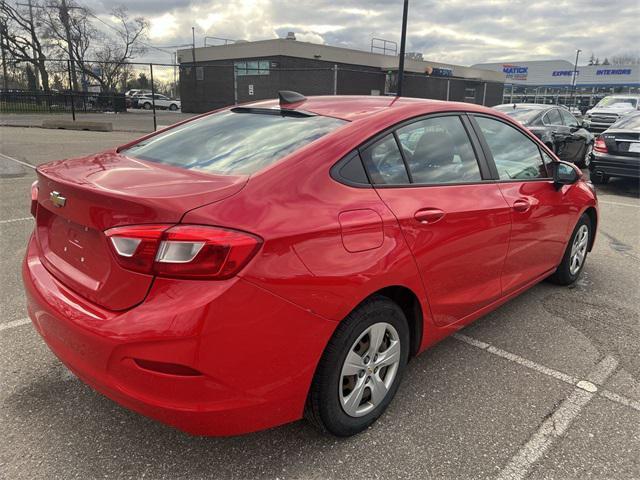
[327, 53]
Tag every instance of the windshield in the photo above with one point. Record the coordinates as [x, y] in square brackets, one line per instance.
[631, 122]
[618, 102]
[523, 115]
[233, 142]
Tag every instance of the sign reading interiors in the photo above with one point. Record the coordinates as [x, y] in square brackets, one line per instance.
[560, 73]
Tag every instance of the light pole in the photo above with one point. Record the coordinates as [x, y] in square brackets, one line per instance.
[403, 41]
[574, 78]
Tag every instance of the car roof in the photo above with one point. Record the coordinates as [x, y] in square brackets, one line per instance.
[357, 107]
[529, 106]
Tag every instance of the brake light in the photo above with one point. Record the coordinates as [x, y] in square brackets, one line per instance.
[600, 145]
[34, 198]
[183, 251]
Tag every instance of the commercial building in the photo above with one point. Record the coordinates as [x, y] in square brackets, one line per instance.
[550, 81]
[246, 71]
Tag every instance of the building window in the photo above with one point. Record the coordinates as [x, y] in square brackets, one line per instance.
[200, 73]
[470, 95]
[254, 67]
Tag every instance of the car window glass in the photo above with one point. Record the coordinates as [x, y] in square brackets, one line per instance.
[568, 119]
[232, 142]
[384, 162]
[438, 150]
[516, 156]
[552, 117]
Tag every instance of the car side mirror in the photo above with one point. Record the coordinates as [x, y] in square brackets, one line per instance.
[585, 123]
[564, 174]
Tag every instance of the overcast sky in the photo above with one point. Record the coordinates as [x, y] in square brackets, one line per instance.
[450, 31]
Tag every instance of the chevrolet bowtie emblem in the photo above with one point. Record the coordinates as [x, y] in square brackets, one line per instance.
[57, 199]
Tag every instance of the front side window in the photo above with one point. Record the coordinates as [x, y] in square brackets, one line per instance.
[384, 162]
[515, 155]
[233, 142]
[438, 150]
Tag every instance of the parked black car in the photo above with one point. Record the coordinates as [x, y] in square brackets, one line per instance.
[616, 152]
[556, 127]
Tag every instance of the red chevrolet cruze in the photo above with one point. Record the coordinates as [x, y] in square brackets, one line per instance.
[284, 259]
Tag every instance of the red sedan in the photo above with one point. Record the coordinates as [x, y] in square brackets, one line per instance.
[284, 259]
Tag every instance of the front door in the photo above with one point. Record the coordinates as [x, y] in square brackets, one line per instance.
[456, 225]
[539, 213]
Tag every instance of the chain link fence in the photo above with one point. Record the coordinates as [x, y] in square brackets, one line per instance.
[159, 92]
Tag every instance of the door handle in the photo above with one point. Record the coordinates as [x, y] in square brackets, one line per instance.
[428, 215]
[521, 205]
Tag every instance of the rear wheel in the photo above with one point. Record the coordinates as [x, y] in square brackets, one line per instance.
[361, 368]
[173, 107]
[599, 178]
[147, 106]
[575, 255]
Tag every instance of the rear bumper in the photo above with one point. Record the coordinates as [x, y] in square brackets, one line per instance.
[615, 165]
[254, 354]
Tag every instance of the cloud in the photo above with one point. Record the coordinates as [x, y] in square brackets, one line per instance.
[448, 31]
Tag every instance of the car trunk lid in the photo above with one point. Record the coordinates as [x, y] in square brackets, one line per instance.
[81, 198]
[622, 143]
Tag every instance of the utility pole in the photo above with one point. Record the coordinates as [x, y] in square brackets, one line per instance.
[403, 41]
[574, 79]
[64, 18]
[5, 78]
[32, 31]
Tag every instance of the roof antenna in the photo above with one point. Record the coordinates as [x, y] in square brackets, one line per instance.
[287, 97]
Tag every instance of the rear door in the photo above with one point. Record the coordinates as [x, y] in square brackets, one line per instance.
[560, 133]
[576, 142]
[540, 215]
[430, 174]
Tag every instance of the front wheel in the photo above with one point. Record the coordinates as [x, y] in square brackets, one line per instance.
[575, 255]
[173, 107]
[361, 368]
[147, 106]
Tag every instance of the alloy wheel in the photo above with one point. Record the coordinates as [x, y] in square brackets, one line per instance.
[587, 155]
[369, 369]
[579, 249]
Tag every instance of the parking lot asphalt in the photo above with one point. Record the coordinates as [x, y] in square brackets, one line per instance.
[546, 387]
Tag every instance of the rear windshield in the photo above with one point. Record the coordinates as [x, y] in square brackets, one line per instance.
[233, 142]
[523, 115]
[631, 122]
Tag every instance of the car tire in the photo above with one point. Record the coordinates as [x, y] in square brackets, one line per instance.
[331, 405]
[173, 107]
[599, 178]
[586, 158]
[146, 106]
[575, 256]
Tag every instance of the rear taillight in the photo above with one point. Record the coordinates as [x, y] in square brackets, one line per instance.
[183, 251]
[34, 198]
[600, 145]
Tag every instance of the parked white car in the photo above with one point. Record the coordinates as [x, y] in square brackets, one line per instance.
[161, 101]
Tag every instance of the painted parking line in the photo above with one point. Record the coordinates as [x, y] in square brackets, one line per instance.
[25, 164]
[563, 377]
[14, 324]
[14, 220]
[556, 425]
[619, 204]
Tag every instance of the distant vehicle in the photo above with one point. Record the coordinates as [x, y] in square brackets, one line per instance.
[610, 109]
[617, 151]
[563, 133]
[134, 92]
[162, 102]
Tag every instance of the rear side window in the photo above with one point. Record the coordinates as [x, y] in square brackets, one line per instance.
[233, 142]
[552, 117]
[515, 155]
[438, 150]
[384, 162]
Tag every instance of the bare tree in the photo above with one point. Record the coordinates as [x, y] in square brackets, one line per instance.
[24, 40]
[100, 55]
[626, 59]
